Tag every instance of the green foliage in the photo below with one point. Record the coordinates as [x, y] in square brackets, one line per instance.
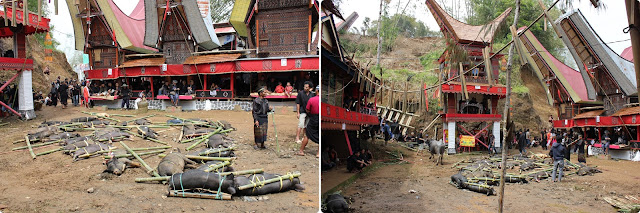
[428, 60]
[485, 11]
[221, 10]
[356, 47]
[399, 24]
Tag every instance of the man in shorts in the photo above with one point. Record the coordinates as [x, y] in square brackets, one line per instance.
[301, 103]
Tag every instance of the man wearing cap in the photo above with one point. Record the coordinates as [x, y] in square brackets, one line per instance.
[313, 127]
[260, 118]
[125, 94]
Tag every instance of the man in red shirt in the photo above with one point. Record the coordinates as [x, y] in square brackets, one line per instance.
[313, 128]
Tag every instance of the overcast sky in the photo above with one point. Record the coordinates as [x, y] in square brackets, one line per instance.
[607, 23]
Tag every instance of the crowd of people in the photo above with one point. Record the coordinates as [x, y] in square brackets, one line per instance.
[61, 91]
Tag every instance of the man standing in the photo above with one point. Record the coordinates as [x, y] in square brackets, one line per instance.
[301, 103]
[63, 91]
[125, 94]
[522, 141]
[492, 146]
[312, 109]
[557, 153]
[260, 118]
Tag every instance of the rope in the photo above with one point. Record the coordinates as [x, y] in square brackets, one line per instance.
[219, 195]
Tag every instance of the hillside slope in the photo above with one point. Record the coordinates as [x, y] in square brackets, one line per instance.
[530, 107]
[41, 82]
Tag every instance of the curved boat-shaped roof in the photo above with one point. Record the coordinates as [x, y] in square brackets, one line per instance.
[129, 31]
[569, 78]
[461, 31]
[586, 43]
[627, 53]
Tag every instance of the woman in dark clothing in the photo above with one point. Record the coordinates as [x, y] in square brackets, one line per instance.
[260, 119]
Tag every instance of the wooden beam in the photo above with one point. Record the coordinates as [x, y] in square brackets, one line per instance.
[517, 43]
[487, 64]
[465, 93]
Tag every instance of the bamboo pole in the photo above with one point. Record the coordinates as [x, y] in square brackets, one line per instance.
[50, 151]
[211, 151]
[39, 11]
[149, 169]
[134, 149]
[243, 172]
[139, 154]
[121, 115]
[194, 157]
[148, 116]
[150, 179]
[36, 145]
[221, 196]
[148, 138]
[25, 13]
[202, 140]
[26, 138]
[272, 180]
[217, 166]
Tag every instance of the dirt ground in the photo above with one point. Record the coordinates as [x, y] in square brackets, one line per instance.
[387, 189]
[54, 183]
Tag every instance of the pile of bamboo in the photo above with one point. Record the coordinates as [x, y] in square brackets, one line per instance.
[480, 175]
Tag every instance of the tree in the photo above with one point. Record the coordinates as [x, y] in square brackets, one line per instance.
[484, 11]
[221, 10]
[366, 24]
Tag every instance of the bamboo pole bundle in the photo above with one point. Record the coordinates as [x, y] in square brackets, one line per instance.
[26, 138]
[139, 154]
[272, 180]
[192, 139]
[217, 166]
[36, 145]
[194, 157]
[50, 151]
[149, 169]
[148, 138]
[221, 196]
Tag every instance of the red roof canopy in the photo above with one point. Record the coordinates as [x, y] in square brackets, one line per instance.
[32, 27]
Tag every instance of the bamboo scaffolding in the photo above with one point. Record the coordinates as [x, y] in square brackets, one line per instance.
[149, 169]
[272, 180]
[217, 166]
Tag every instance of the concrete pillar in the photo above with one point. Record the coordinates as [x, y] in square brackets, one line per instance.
[25, 95]
[451, 127]
[496, 135]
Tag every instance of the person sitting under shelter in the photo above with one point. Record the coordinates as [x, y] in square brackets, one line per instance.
[355, 163]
